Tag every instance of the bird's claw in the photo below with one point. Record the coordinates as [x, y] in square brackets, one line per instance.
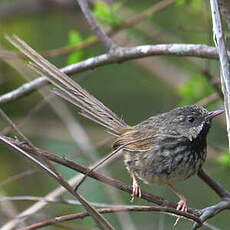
[136, 190]
[182, 206]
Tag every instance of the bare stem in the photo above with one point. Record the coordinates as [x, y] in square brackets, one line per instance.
[105, 40]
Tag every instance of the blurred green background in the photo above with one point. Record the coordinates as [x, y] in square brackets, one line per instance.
[134, 90]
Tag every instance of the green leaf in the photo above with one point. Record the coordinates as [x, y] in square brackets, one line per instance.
[194, 90]
[225, 159]
[107, 14]
[75, 39]
[196, 3]
[180, 2]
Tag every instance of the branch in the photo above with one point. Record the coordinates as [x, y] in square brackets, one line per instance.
[105, 40]
[95, 175]
[190, 50]
[156, 7]
[211, 211]
[108, 210]
[98, 218]
[220, 190]
[224, 60]
[23, 90]
[17, 177]
[204, 214]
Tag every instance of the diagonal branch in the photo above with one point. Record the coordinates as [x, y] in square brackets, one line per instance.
[95, 175]
[105, 40]
[204, 214]
[98, 218]
[219, 189]
[212, 211]
[189, 50]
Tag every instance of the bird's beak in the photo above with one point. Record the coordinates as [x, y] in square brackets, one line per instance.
[214, 113]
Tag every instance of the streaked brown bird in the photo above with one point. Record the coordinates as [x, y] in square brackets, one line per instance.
[164, 149]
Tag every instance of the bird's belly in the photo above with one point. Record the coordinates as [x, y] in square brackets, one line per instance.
[165, 165]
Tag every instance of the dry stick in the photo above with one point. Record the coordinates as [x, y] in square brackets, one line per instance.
[189, 50]
[49, 165]
[212, 211]
[14, 127]
[207, 100]
[39, 205]
[156, 7]
[80, 137]
[98, 218]
[105, 210]
[17, 177]
[224, 60]
[206, 212]
[219, 189]
[103, 223]
[97, 176]
[105, 40]
[55, 201]
[215, 85]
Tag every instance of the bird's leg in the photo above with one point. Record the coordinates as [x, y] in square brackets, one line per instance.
[182, 204]
[136, 189]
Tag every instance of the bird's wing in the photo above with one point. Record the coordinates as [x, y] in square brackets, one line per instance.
[136, 139]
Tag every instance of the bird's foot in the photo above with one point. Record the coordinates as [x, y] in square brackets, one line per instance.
[136, 189]
[182, 206]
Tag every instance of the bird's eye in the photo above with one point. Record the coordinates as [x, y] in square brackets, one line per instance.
[191, 119]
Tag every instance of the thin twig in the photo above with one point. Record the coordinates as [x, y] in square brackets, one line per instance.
[17, 177]
[98, 218]
[126, 23]
[105, 40]
[219, 189]
[215, 84]
[54, 201]
[109, 210]
[14, 127]
[208, 100]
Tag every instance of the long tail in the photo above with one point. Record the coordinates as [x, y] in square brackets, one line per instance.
[70, 90]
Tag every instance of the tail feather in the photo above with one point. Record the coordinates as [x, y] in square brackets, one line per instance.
[70, 90]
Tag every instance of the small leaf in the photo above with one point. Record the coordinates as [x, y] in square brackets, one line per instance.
[195, 89]
[75, 39]
[225, 159]
[180, 2]
[107, 14]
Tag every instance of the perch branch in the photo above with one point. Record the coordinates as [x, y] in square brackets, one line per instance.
[82, 215]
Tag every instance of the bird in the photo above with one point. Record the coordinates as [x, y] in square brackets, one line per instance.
[163, 149]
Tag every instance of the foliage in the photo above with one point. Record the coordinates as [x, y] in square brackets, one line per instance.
[195, 89]
[225, 159]
[76, 39]
[107, 15]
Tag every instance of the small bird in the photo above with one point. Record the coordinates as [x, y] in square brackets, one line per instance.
[164, 149]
